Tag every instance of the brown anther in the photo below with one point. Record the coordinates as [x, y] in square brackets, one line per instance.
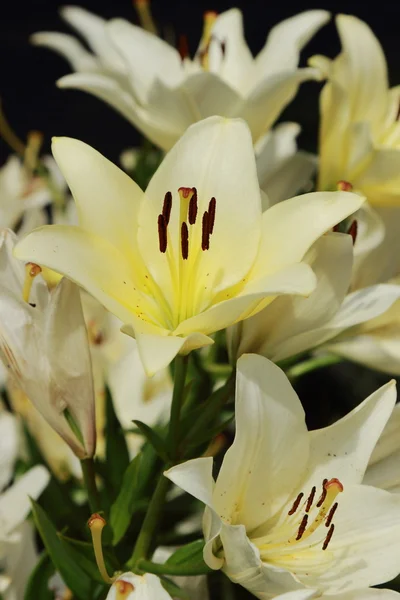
[296, 503]
[330, 515]
[344, 186]
[328, 537]
[183, 46]
[205, 232]
[184, 241]
[211, 212]
[353, 231]
[193, 207]
[162, 234]
[302, 528]
[166, 211]
[323, 495]
[123, 588]
[311, 498]
[223, 49]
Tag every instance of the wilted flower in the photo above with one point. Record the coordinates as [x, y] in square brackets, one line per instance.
[44, 346]
[168, 262]
[288, 509]
[167, 92]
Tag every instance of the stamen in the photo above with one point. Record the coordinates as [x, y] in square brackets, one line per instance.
[328, 537]
[331, 513]
[353, 231]
[183, 47]
[162, 234]
[209, 20]
[311, 499]
[166, 211]
[302, 527]
[184, 241]
[145, 16]
[223, 49]
[123, 588]
[205, 232]
[96, 524]
[186, 192]
[211, 212]
[193, 207]
[323, 495]
[344, 186]
[31, 271]
[32, 149]
[296, 504]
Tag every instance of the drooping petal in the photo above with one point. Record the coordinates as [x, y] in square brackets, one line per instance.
[302, 220]
[107, 199]
[14, 502]
[70, 48]
[258, 472]
[216, 157]
[371, 350]
[86, 259]
[285, 41]
[343, 449]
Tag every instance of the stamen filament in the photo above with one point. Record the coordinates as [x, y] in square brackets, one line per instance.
[96, 524]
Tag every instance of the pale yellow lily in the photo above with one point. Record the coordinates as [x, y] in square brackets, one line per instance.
[194, 254]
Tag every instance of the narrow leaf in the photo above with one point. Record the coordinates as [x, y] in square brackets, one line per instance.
[154, 439]
[117, 455]
[38, 584]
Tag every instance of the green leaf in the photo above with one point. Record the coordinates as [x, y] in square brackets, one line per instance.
[38, 584]
[131, 495]
[83, 554]
[117, 455]
[71, 571]
[173, 590]
[189, 555]
[204, 436]
[154, 439]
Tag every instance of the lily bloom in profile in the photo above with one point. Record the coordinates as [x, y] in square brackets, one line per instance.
[163, 95]
[194, 253]
[288, 510]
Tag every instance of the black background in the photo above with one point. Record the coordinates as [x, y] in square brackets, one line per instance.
[28, 74]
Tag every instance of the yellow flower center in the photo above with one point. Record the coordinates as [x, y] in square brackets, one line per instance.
[306, 516]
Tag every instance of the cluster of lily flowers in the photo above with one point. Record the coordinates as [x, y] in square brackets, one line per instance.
[150, 340]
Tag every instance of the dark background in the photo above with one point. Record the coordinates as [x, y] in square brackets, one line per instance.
[28, 74]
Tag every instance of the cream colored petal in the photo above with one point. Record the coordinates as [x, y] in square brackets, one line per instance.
[93, 30]
[70, 48]
[365, 546]
[138, 587]
[258, 472]
[88, 260]
[9, 442]
[295, 279]
[14, 502]
[372, 351]
[381, 180]
[207, 95]
[286, 40]
[162, 60]
[111, 91]
[385, 474]
[343, 449]
[268, 99]
[302, 220]
[235, 64]
[67, 346]
[389, 441]
[195, 161]
[107, 199]
[292, 324]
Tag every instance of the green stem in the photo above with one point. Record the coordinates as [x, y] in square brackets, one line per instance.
[89, 479]
[166, 569]
[312, 364]
[150, 522]
[181, 363]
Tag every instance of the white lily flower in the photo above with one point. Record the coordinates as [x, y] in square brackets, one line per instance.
[288, 509]
[362, 594]
[16, 549]
[168, 262]
[9, 443]
[166, 93]
[384, 465]
[137, 587]
[44, 346]
[294, 324]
